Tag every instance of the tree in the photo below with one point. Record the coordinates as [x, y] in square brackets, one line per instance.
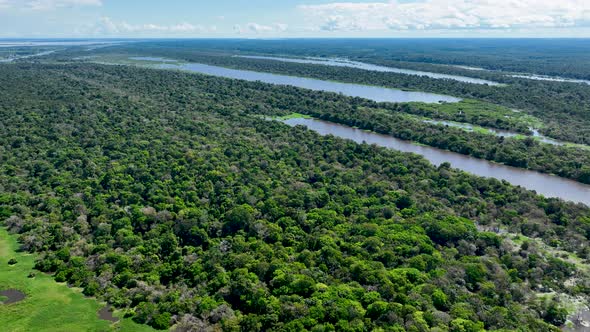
[238, 218]
[449, 230]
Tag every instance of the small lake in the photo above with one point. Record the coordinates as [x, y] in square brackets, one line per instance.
[375, 93]
[371, 67]
[544, 184]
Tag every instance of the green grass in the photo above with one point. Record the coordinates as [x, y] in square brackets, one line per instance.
[293, 116]
[48, 306]
[116, 59]
[481, 130]
[476, 108]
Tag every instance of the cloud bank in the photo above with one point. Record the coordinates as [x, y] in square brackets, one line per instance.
[47, 4]
[255, 28]
[107, 26]
[448, 14]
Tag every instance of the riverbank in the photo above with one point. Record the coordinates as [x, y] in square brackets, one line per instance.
[544, 184]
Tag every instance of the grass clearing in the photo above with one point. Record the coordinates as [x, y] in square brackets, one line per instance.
[116, 59]
[293, 116]
[48, 305]
[480, 112]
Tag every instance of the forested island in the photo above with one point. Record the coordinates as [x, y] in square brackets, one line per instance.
[562, 106]
[172, 197]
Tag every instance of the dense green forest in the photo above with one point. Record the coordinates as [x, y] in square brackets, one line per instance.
[168, 195]
[563, 107]
[391, 119]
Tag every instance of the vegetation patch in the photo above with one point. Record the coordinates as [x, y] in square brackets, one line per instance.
[40, 303]
[478, 113]
[130, 60]
[293, 116]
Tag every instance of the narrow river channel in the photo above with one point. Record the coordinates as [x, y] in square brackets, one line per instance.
[370, 67]
[544, 184]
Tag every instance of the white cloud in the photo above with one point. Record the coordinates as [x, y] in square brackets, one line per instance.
[255, 28]
[53, 4]
[448, 14]
[47, 4]
[106, 26]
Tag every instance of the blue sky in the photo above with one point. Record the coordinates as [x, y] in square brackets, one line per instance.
[294, 18]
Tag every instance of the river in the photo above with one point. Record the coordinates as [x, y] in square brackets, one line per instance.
[550, 78]
[375, 93]
[355, 90]
[367, 66]
[26, 56]
[544, 184]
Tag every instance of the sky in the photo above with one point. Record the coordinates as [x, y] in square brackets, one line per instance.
[293, 18]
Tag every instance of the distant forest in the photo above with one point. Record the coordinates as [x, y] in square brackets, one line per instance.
[554, 57]
[564, 107]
